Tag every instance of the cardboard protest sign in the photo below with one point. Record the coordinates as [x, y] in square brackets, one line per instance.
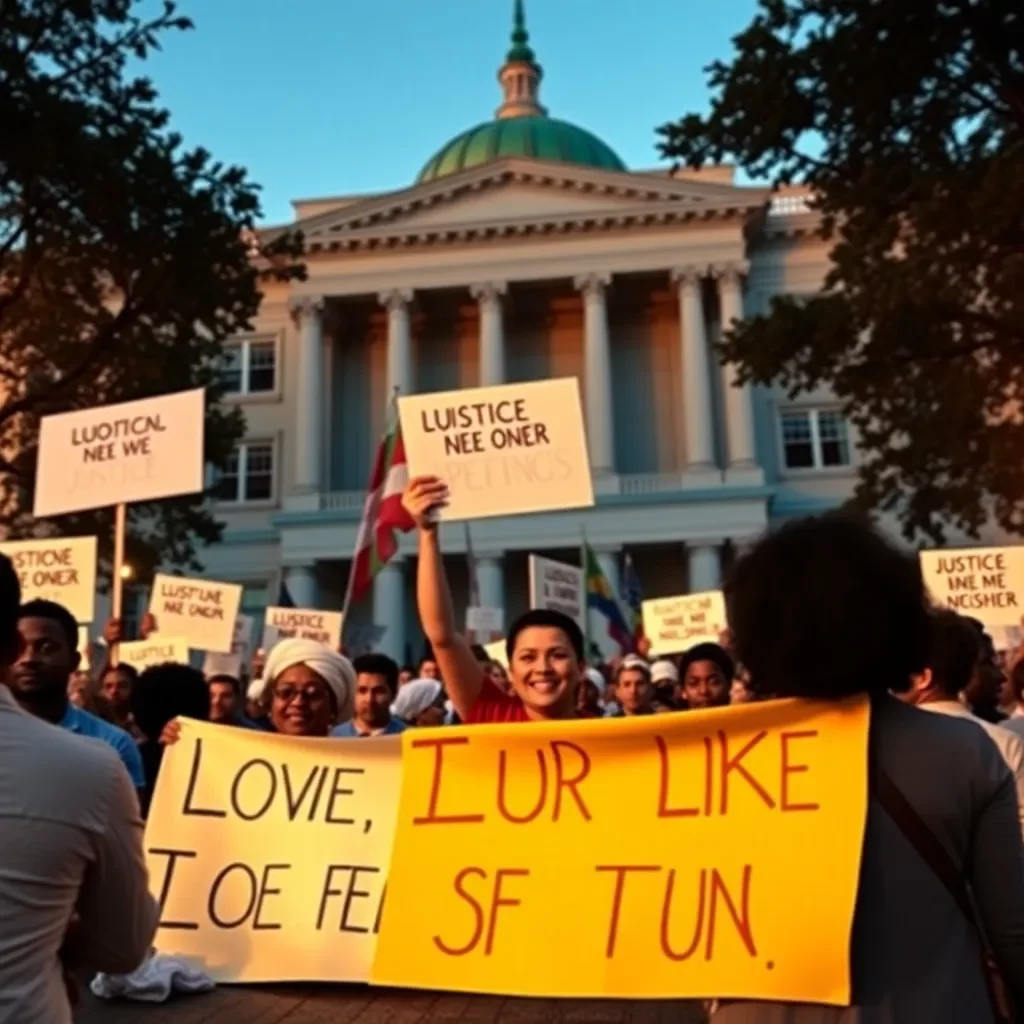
[483, 620]
[502, 450]
[557, 586]
[985, 583]
[201, 611]
[496, 652]
[675, 624]
[222, 664]
[270, 854]
[308, 623]
[155, 650]
[685, 889]
[61, 569]
[134, 451]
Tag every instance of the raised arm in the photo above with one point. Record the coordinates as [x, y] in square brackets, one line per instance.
[462, 673]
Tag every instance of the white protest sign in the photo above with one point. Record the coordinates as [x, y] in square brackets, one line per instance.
[485, 620]
[113, 454]
[222, 665]
[984, 583]
[307, 623]
[201, 611]
[502, 450]
[58, 569]
[156, 650]
[497, 652]
[675, 624]
[557, 586]
[84, 649]
[241, 638]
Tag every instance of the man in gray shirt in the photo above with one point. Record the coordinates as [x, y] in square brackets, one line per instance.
[70, 848]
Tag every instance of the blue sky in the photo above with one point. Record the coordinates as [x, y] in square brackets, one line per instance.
[331, 97]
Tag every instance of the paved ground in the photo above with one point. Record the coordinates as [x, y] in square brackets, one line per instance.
[349, 1004]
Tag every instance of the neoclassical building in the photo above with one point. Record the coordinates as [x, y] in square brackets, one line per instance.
[526, 249]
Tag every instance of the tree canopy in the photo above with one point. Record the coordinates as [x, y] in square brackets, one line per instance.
[126, 258]
[906, 121]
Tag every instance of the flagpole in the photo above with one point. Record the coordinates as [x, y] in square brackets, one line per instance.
[117, 593]
[585, 566]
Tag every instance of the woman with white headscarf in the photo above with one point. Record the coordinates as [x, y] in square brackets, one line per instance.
[420, 702]
[307, 688]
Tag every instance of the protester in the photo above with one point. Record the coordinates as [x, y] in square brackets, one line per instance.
[633, 687]
[1015, 719]
[665, 679]
[225, 699]
[116, 686]
[375, 689]
[588, 697]
[705, 673]
[545, 648]
[307, 688]
[73, 887]
[828, 609]
[406, 674]
[982, 693]
[255, 712]
[739, 691]
[39, 680]
[956, 649]
[429, 668]
[420, 703]
[80, 691]
[162, 695]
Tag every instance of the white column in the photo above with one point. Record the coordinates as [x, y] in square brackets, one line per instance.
[705, 571]
[309, 402]
[400, 368]
[389, 608]
[490, 575]
[597, 372]
[301, 584]
[699, 424]
[739, 408]
[492, 332]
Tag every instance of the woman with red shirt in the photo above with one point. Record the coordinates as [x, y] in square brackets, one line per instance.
[545, 648]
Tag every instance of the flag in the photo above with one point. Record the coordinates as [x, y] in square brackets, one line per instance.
[383, 513]
[601, 599]
[632, 598]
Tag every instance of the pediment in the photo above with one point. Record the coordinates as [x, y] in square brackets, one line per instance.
[515, 196]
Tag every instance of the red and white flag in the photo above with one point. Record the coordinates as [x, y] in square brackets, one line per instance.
[383, 513]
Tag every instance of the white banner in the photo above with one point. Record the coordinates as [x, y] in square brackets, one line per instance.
[134, 451]
[308, 623]
[201, 611]
[557, 586]
[61, 569]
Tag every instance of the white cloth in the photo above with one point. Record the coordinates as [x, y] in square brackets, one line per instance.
[598, 679]
[333, 668]
[414, 698]
[153, 982]
[664, 671]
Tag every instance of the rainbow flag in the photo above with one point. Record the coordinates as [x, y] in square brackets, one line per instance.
[601, 599]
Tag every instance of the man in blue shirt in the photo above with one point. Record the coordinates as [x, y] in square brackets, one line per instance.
[39, 680]
[376, 688]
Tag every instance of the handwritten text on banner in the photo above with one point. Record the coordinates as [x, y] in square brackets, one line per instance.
[986, 583]
[308, 623]
[502, 450]
[618, 852]
[269, 854]
[675, 624]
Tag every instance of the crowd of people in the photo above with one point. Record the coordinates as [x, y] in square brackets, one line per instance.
[823, 608]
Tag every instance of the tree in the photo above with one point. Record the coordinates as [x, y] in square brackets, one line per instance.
[126, 259]
[906, 122]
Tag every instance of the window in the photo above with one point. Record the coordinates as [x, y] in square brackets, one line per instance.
[250, 367]
[248, 474]
[815, 439]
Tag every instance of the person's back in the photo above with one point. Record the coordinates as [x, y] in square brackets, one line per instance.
[827, 609]
[72, 844]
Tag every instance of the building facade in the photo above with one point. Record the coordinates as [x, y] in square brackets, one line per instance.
[526, 249]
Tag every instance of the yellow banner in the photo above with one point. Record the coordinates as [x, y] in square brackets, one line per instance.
[269, 855]
[711, 853]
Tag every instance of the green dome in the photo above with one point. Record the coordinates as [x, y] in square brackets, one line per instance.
[536, 137]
